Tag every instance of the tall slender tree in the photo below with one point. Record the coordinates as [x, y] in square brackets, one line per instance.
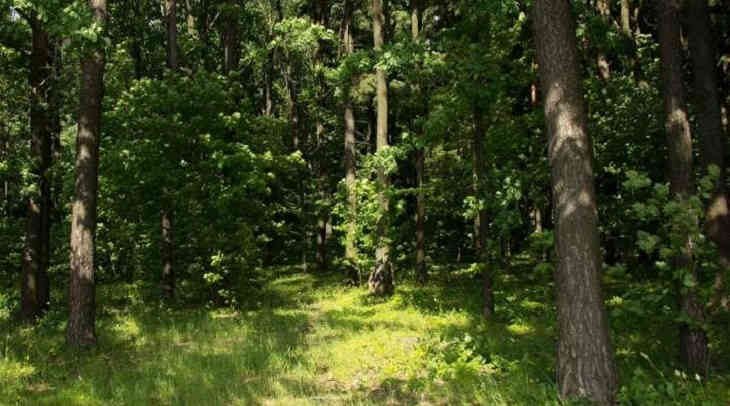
[82, 293]
[350, 156]
[167, 243]
[35, 285]
[420, 164]
[479, 174]
[693, 345]
[381, 278]
[586, 365]
[709, 127]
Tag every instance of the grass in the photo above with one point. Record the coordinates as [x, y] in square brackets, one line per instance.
[304, 339]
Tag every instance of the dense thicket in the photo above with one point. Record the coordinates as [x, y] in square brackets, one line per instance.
[187, 144]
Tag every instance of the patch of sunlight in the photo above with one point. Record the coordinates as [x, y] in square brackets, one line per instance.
[532, 305]
[615, 301]
[126, 328]
[11, 371]
[520, 328]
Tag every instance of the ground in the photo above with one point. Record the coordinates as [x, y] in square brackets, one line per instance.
[302, 339]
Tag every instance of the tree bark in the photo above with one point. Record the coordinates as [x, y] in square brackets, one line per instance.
[82, 294]
[480, 220]
[693, 340]
[586, 365]
[35, 287]
[710, 129]
[381, 278]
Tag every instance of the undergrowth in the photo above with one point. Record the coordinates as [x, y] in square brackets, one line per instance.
[304, 339]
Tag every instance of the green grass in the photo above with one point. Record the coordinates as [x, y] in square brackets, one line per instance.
[309, 340]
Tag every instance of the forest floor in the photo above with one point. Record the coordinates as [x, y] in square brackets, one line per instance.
[303, 339]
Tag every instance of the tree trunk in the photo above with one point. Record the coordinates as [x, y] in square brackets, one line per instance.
[381, 278]
[230, 39]
[420, 156]
[626, 17]
[586, 365]
[350, 150]
[480, 220]
[604, 10]
[167, 244]
[710, 128]
[693, 340]
[167, 254]
[171, 17]
[35, 287]
[82, 295]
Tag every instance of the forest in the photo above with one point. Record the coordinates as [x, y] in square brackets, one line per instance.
[364, 202]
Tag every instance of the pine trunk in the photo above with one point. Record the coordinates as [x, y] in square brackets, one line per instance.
[586, 365]
[82, 293]
[693, 346]
[710, 129]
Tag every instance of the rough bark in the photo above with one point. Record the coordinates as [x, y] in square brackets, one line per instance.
[710, 130]
[35, 289]
[586, 365]
[82, 294]
[381, 278]
[480, 219]
[693, 340]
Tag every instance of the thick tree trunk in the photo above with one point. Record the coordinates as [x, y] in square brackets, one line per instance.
[710, 129]
[480, 220]
[693, 340]
[586, 365]
[35, 287]
[381, 278]
[82, 294]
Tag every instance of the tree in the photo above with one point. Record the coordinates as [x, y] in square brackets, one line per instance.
[167, 244]
[709, 128]
[693, 346]
[350, 153]
[585, 354]
[82, 296]
[420, 158]
[381, 278]
[35, 291]
[479, 174]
